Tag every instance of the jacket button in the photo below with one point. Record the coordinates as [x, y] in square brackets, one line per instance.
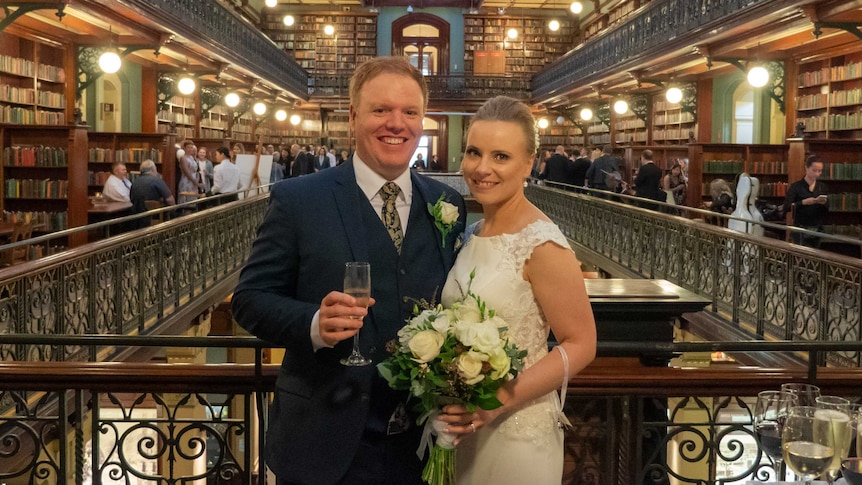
[403, 271]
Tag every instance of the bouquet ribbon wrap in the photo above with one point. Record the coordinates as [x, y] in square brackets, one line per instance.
[436, 428]
[440, 469]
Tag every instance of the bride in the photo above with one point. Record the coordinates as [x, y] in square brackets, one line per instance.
[526, 271]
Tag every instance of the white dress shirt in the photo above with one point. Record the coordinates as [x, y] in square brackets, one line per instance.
[370, 182]
[225, 178]
[117, 189]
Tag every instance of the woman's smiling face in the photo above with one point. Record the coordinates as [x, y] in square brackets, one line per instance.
[496, 161]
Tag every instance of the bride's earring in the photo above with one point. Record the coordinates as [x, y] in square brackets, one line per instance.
[526, 183]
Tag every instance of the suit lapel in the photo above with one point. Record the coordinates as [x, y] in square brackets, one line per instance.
[349, 199]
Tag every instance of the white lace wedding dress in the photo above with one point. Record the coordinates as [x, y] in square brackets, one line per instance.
[524, 447]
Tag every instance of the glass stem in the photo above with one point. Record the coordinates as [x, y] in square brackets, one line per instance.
[778, 464]
[356, 344]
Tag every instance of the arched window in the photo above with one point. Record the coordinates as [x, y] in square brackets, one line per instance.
[424, 39]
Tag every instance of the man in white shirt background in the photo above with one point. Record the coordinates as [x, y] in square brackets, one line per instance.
[117, 186]
[225, 175]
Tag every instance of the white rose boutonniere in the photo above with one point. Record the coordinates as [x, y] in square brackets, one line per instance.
[445, 216]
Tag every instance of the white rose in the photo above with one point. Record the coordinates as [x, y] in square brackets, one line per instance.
[448, 213]
[425, 345]
[467, 312]
[500, 363]
[470, 367]
[486, 336]
[442, 323]
[498, 322]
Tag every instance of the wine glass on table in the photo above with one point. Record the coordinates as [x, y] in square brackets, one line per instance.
[357, 283]
[837, 410]
[770, 412]
[807, 393]
[807, 442]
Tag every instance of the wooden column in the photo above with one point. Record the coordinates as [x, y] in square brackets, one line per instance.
[149, 99]
[704, 114]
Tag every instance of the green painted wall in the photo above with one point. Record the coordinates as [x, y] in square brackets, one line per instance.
[456, 127]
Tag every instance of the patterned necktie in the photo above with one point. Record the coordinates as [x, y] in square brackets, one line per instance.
[390, 217]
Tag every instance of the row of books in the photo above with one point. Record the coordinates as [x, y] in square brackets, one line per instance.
[842, 171]
[36, 189]
[723, 166]
[97, 178]
[48, 221]
[845, 202]
[34, 156]
[775, 168]
[24, 116]
[26, 67]
[17, 95]
[826, 74]
[125, 155]
[667, 119]
[774, 189]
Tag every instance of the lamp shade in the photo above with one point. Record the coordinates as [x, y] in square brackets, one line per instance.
[576, 7]
[758, 76]
[329, 29]
[259, 108]
[554, 25]
[186, 85]
[512, 34]
[542, 123]
[621, 106]
[586, 114]
[232, 100]
[289, 20]
[110, 62]
[281, 115]
[271, 3]
[674, 95]
[295, 119]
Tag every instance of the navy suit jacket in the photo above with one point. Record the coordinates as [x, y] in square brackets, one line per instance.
[313, 226]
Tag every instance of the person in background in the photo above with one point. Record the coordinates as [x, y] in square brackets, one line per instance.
[434, 165]
[601, 168]
[647, 184]
[558, 167]
[721, 197]
[808, 200]
[205, 169]
[189, 187]
[226, 177]
[117, 186]
[148, 186]
[289, 292]
[674, 183]
[419, 163]
[238, 149]
[321, 161]
[580, 167]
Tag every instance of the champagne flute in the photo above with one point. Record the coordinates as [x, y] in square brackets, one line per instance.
[807, 442]
[807, 393]
[357, 283]
[837, 410]
[770, 412]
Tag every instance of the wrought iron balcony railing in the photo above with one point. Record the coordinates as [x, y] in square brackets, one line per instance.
[213, 24]
[765, 287]
[91, 422]
[325, 84]
[647, 34]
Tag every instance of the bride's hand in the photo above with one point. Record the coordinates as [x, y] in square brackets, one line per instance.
[462, 422]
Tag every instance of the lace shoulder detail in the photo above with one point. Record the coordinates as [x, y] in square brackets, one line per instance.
[534, 235]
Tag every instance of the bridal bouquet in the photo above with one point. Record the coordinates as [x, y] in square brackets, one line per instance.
[459, 354]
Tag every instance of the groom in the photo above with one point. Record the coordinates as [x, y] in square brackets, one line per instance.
[332, 424]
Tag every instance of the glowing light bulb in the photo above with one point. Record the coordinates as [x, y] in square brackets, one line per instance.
[329, 30]
[281, 115]
[271, 3]
[543, 123]
[295, 120]
[289, 20]
[554, 25]
[621, 106]
[232, 100]
[576, 8]
[758, 76]
[259, 108]
[186, 85]
[512, 34]
[674, 95]
[110, 62]
[586, 114]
